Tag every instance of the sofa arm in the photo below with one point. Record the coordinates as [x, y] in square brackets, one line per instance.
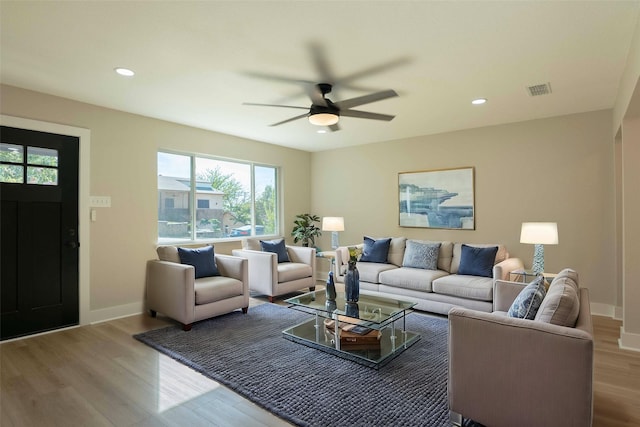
[502, 269]
[233, 266]
[504, 293]
[302, 254]
[170, 290]
[519, 361]
[262, 267]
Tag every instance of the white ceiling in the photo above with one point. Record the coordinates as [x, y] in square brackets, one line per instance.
[193, 60]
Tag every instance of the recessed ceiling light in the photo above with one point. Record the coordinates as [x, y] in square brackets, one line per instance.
[479, 101]
[124, 72]
[321, 131]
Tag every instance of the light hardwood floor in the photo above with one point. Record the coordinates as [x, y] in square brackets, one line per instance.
[99, 375]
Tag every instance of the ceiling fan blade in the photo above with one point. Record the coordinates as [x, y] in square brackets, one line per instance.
[276, 78]
[320, 61]
[344, 81]
[315, 94]
[334, 128]
[366, 115]
[275, 105]
[290, 120]
[366, 99]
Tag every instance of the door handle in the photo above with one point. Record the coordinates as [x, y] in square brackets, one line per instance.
[72, 245]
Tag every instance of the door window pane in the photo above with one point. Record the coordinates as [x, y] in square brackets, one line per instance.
[12, 173]
[42, 156]
[11, 153]
[42, 176]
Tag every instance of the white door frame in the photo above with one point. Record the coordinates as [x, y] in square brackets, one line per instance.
[83, 198]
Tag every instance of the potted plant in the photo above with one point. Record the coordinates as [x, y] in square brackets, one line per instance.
[305, 230]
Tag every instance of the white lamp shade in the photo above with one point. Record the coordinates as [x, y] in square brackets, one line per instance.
[539, 233]
[332, 223]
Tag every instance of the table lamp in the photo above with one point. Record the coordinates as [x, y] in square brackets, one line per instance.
[539, 234]
[333, 224]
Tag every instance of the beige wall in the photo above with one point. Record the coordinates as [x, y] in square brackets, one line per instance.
[123, 166]
[559, 169]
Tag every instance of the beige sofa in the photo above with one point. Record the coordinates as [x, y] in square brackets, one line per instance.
[436, 290]
[173, 290]
[270, 278]
[506, 371]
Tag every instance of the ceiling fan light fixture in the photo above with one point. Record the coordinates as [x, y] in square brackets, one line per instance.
[323, 119]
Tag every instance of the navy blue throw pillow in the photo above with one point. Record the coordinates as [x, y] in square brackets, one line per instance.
[276, 246]
[477, 261]
[375, 250]
[202, 259]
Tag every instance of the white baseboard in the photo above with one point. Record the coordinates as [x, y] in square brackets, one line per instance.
[618, 313]
[111, 313]
[600, 309]
[628, 340]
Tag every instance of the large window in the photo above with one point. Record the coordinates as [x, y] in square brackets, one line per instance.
[231, 199]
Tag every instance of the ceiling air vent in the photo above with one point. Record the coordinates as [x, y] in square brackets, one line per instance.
[541, 89]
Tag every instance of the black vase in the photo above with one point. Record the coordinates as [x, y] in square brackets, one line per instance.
[331, 288]
[352, 310]
[352, 283]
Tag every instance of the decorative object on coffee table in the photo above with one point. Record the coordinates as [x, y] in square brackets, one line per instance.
[352, 309]
[539, 234]
[331, 288]
[352, 277]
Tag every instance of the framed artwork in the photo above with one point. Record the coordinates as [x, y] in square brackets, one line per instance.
[437, 199]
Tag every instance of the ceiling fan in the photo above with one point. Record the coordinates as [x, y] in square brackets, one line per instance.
[324, 112]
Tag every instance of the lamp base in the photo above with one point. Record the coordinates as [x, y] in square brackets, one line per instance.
[334, 240]
[538, 259]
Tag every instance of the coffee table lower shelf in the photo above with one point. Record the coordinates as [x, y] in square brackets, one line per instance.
[321, 338]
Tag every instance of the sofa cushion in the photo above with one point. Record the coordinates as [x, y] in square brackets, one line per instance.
[570, 275]
[421, 255]
[561, 305]
[370, 271]
[526, 304]
[276, 246]
[396, 250]
[375, 250]
[211, 289]
[477, 261]
[168, 253]
[471, 287]
[201, 259]
[411, 278]
[288, 271]
[501, 255]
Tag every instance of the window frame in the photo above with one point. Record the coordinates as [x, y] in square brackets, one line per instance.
[192, 239]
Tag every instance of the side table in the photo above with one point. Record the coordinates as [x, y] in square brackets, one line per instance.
[525, 276]
[329, 256]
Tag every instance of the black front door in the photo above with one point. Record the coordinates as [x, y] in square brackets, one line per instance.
[38, 232]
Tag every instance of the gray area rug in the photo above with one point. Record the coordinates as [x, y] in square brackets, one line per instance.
[307, 387]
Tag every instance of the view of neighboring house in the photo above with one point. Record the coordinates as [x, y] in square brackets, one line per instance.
[174, 208]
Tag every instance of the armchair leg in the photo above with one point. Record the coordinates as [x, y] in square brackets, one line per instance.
[271, 299]
[455, 418]
[187, 327]
[312, 288]
[244, 310]
[153, 313]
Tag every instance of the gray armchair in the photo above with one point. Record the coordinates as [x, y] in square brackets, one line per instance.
[270, 278]
[506, 372]
[173, 290]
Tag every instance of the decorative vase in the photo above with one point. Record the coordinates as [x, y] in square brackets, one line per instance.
[331, 288]
[330, 305]
[352, 309]
[352, 283]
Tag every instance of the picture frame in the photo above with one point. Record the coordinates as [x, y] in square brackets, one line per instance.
[443, 198]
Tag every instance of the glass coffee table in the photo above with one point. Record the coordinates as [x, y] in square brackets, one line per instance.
[371, 332]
